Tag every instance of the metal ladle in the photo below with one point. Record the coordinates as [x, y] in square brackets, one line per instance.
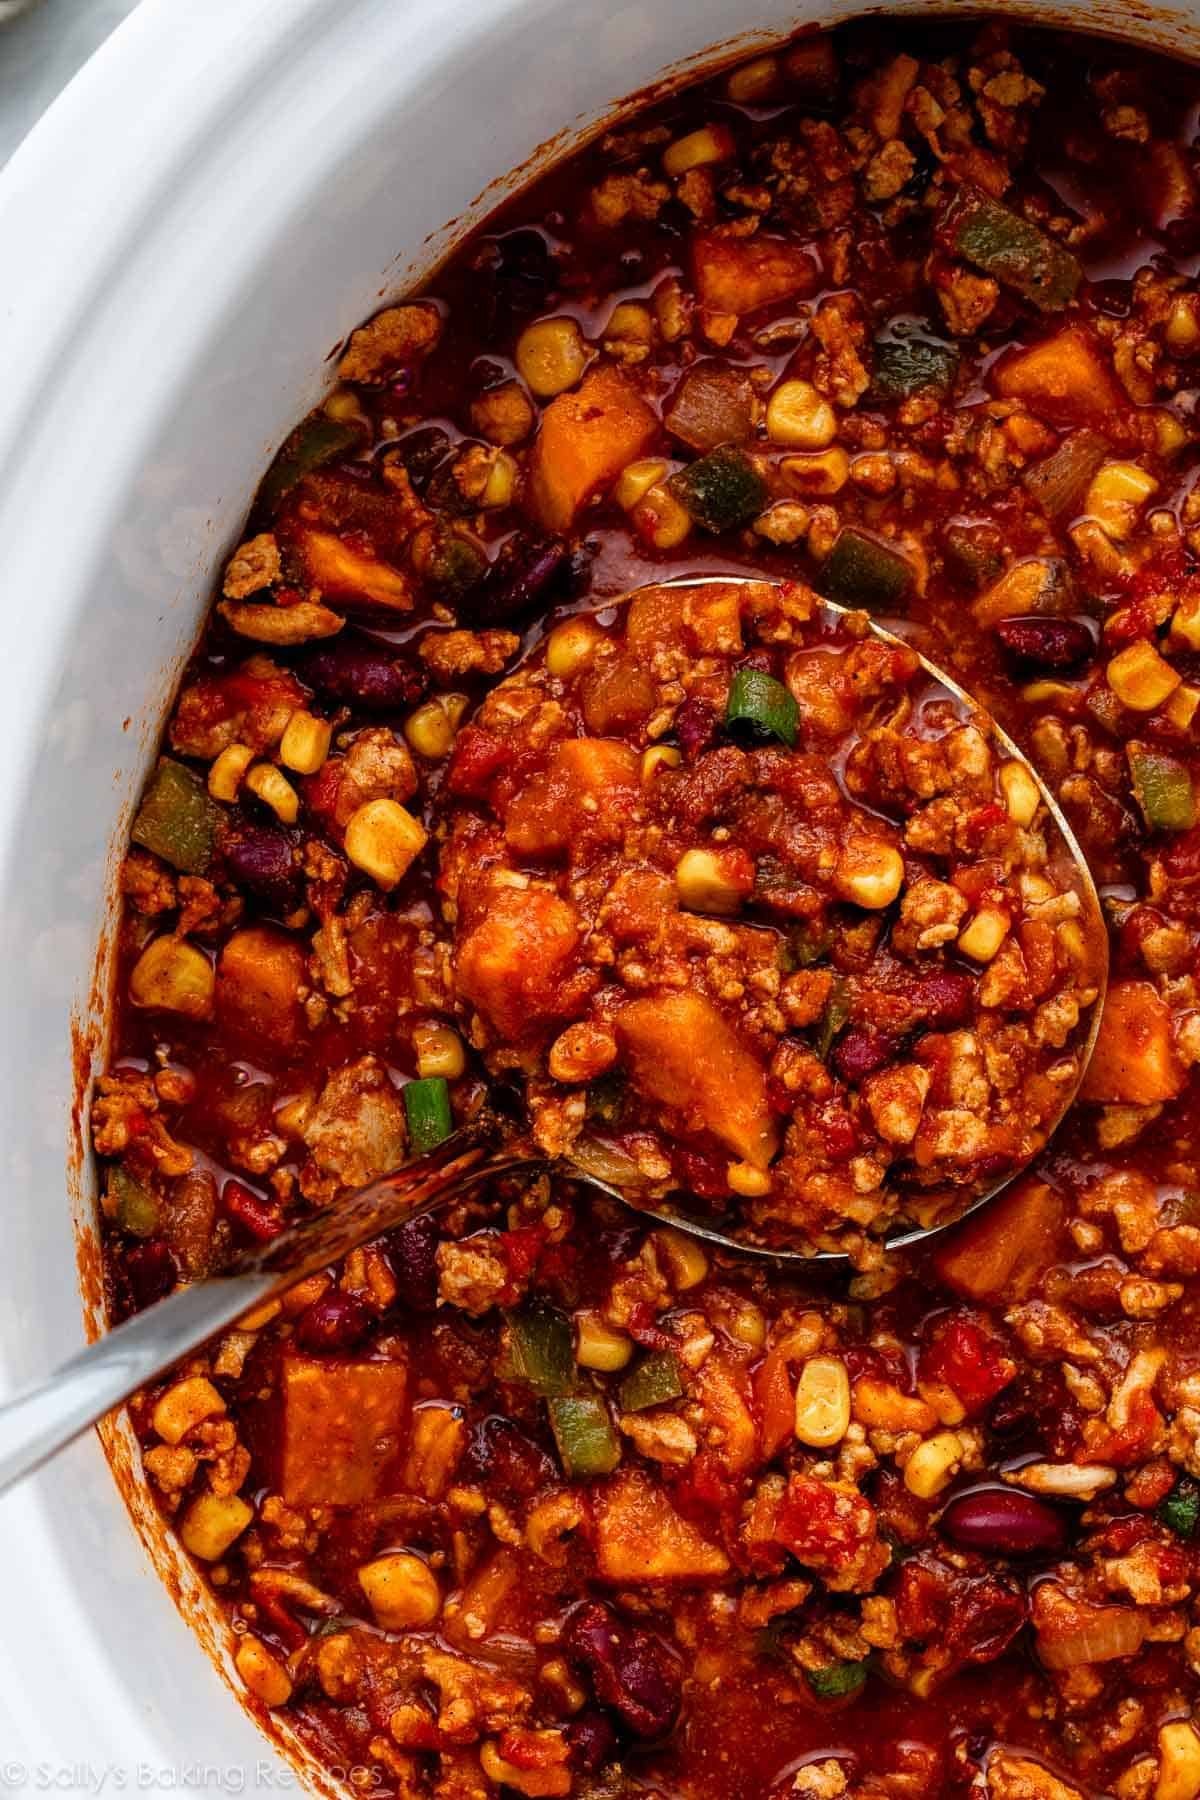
[44, 1418]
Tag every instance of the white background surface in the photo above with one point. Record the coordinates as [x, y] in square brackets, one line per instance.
[39, 53]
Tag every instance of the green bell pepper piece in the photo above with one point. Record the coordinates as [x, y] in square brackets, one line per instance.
[132, 1205]
[1163, 788]
[583, 1431]
[540, 1349]
[427, 1105]
[1008, 247]
[315, 441]
[836, 1681]
[720, 490]
[761, 701]
[833, 1020]
[1180, 1511]
[177, 820]
[652, 1383]
[863, 571]
[906, 365]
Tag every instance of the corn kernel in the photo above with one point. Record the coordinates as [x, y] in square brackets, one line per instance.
[822, 1402]
[629, 333]
[703, 884]
[818, 471]
[982, 937]
[933, 1464]
[305, 743]
[1178, 1761]
[265, 1677]
[430, 730]
[551, 355]
[501, 483]
[1022, 797]
[685, 1258]
[1140, 677]
[173, 976]
[755, 80]
[571, 646]
[636, 479]
[800, 417]
[710, 144]
[225, 775]
[662, 519]
[212, 1523]
[1185, 621]
[598, 1346]
[748, 1181]
[1182, 335]
[747, 1325]
[944, 1402]
[382, 840]
[258, 1316]
[1117, 495]
[439, 1051]
[869, 873]
[1170, 436]
[1181, 707]
[582, 1052]
[274, 790]
[343, 405]
[402, 1591]
[185, 1405]
[658, 757]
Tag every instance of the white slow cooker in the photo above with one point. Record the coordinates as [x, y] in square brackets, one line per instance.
[219, 196]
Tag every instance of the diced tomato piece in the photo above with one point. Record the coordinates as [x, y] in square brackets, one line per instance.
[967, 1359]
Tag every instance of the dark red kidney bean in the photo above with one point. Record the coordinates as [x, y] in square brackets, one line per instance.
[412, 1252]
[336, 1321]
[258, 1217]
[517, 274]
[695, 726]
[527, 568]
[1046, 643]
[1005, 1522]
[943, 998]
[632, 1670]
[592, 1740]
[262, 859]
[860, 1051]
[361, 671]
[150, 1270]
[421, 451]
[501, 1455]
[985, 1618]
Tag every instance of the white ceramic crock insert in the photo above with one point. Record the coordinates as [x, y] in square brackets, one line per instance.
[226, 190]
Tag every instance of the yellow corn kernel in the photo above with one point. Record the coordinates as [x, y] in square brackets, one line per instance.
[1181, 707]
[1178, 1761]
[869, 873]
[983, 935]
[274, 790]
[685, 1258]
[343, 405]
[501, 483]
[748, 1181]
[818, 471]
[1182, 335]
[1170, 436]
[430, 730]
[598, 1346]
[581, 1052]
[659, 756]
[173, 976]
[1140, 677]
[822, 1402]
[382, 840]
[571, 646]
[1117, 495]
[662, 519]
[800, 417]
[703, 885]
[710, 144]
[551, 355]
[439, 1052]
[1185, 622]
[944, 1401]
[629, 333]
[305, 743]
[258, 1316]
[264, 1676]
[402, 1591]
[933, 1464]
[185, 1405]
[1022, 797]
[755, 80]
[212, 1523]
[747, 1325]
[636, 479]
[225, 775]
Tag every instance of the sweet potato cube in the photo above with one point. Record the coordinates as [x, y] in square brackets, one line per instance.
[1000, 1253]
[260, 976]
[706, 619]
[588, 788]
[1134, 1062]
[1065, 380]
[740, 274]
[641, 1538]
[511, 964]
[587, 437]
[684, 1055]
[342, 1429]
[337, 569]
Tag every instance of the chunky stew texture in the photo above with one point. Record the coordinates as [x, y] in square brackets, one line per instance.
[536, 1497]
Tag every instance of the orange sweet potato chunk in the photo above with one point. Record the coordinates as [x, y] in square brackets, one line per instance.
[342, 1429]
[740, 274]
[684, 1055]
[587, 437]
[1065, 380]
[512, 963]
[337, 569]
[641, 1538]
[260, 976]
[1000, 1253]
[1134, 1062]
[589, 786]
